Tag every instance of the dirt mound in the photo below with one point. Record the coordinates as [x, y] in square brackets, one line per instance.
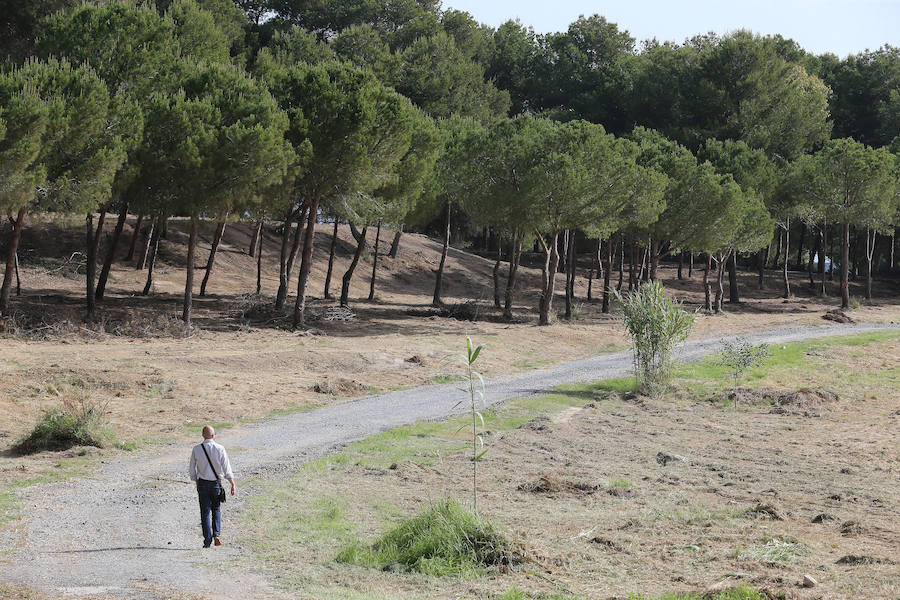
[797, 402]
[838, 316]
[551, 484]
[537, 424]
[339, 387]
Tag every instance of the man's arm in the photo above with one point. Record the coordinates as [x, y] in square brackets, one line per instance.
[226, 466]
[192, 468]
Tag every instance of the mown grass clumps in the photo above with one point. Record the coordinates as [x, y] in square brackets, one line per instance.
[736, 593]
[74, 423]
[444, 539]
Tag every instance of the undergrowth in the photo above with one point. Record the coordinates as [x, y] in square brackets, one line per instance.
[76, 422]
[444, 539]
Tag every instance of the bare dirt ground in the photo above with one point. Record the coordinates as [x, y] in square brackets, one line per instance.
[243, 364]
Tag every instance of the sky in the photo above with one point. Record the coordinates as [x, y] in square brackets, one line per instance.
[841, 27]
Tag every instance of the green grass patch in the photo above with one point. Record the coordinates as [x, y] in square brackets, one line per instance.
[774, 550]
[517, 594]
[444, 539]
[196, 429]
[9, 508]
[447, 378]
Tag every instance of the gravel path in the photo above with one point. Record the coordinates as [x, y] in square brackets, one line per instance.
[131, 529]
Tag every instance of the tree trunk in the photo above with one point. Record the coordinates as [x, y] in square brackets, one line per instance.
[733, 293]
[870, 252]
[720, 289]
[621, 263]
[570, 273]
[211, 261]
[779, 247]
[18, 280]
[681, 266]
[348, 275]
[607, 274]
[496, 273]
[306, 263]
[513, 272]
[596, 264]
[690, 265]
[438, 281]
[331, 251]
[761, 266]
[787, 245]
[134, 238]
[254, 241]
[831, 252]
[395, 245]
[283, 274]
[551, 263]
[800, 246]
[823, 239]
[142, 259]
[631, 267]
[165, 229]
[92, 247]
[11, 256]
[375, 262]
[111, 252]
[153, 242]
[189, 279]
[892, 266]
[654, 257]
[295, 245]
[845, 265]
[259, 251]
[644, 272]
[707, 302]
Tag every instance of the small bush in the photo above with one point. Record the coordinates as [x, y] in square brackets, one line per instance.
[740, 355]
[444, 539]
[656, 324]
[75, 423]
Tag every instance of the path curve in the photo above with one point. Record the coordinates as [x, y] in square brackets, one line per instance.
[130, 530]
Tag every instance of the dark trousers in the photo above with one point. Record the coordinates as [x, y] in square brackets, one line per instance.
[208, 492]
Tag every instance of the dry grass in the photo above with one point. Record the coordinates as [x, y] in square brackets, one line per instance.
[610, 520]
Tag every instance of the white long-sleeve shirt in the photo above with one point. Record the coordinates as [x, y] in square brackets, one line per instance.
[199, 466]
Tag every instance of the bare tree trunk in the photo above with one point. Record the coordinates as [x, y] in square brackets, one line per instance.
[513, 272]
[761, 266]
[800, 246]
[720, 276]
[813, 254]
[283, 273]
[111, 252]
[259, 251]
[142, 259]
[823, 239]
[779, 247]
[621, 263]
[134, 238]
[92, 247]
[691, 265]
[570, 273]
[845, 265]
[295, 245]
[787, 246]
[654, 257]
[681, 266]
[733, 293]
[631, 280]
[375, 262]
[870, 252]
[438, 281]
[11, 259]
[211, 261]
[153, 242]
[596, 264]
[395, 245]
[551, 263]
[18, 280]
[189, 279]
[348, 275]
[254, 241]
[331, 251]
[707, 303]
[893, 263]
[644, 271]
[607, 274]
[496, 272]
[306, 263]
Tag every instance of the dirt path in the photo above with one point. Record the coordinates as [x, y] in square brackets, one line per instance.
[130, 530]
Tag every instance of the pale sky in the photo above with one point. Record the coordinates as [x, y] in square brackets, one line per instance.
[838, 26]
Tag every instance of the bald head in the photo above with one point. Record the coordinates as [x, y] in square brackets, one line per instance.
[208, 432]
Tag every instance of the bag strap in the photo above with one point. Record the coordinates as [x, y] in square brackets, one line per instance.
[216, 473]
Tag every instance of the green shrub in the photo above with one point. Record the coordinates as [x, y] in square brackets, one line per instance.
[75, 423]
[444, 539]
[656, 325]
[740, 355]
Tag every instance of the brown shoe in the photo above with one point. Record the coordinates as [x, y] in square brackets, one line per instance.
[217, 541]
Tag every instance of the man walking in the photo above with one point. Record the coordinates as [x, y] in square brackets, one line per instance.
[207, 460]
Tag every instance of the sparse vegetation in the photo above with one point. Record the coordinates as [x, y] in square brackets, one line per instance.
[740, 355]
[444, 539]
[77, 422]
[656, 325]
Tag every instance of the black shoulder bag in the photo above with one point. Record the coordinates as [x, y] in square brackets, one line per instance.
[221, 487]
